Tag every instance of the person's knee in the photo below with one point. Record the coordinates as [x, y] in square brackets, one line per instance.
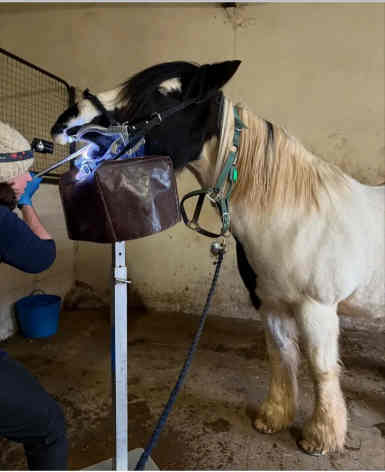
[50, 452]
[57, 427]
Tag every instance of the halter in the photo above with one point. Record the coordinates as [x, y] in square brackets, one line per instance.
[229, 174]
[216, 194]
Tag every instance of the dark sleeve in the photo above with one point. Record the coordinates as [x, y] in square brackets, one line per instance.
[21, 248]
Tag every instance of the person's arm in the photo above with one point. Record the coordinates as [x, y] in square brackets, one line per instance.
[33, 221]
[22, 248]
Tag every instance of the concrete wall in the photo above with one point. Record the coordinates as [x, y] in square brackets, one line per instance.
[317, 69]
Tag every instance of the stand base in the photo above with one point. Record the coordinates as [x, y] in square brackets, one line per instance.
[133, 457]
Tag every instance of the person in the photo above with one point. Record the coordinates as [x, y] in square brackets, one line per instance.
[28, 414]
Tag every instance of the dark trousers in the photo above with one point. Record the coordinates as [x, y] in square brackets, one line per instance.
[29, 415]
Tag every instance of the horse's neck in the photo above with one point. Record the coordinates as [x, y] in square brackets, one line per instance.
[216, 149]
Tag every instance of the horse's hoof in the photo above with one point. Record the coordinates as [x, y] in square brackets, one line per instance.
[307, 448]
[263, 428]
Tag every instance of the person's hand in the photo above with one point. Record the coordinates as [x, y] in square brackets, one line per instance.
[30, 189]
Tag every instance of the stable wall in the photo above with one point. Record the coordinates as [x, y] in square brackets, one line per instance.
[316, 69]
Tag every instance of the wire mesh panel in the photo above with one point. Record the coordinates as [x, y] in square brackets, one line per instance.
[31, 99]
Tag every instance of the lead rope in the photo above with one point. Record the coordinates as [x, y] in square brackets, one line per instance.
[220, 250]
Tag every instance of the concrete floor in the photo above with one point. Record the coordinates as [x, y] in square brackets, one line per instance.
[211, 424]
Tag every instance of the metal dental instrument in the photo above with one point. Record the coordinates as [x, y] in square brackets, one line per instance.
[118, 130]
[69, 158]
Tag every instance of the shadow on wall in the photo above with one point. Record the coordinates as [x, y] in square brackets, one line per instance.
[83, 296]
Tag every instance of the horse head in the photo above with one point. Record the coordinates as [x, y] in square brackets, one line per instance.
[156, 90]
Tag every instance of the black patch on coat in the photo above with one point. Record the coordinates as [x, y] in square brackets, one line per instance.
[270, 135]
[248, 275]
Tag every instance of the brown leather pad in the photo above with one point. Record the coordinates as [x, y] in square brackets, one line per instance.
[123, 200]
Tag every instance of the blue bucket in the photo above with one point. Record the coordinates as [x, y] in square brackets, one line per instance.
[38, 315]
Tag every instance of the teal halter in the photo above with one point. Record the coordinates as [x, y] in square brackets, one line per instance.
[228, 175]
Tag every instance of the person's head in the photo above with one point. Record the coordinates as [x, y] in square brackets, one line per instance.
[16, 158]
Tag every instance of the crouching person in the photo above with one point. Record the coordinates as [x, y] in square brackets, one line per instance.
[28, 414]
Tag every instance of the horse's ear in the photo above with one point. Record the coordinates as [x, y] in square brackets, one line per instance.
[209, 77]
[219, 74]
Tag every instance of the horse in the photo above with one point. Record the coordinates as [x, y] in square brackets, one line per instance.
[309, 237]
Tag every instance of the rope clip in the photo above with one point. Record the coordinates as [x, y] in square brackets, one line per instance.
[218, 246]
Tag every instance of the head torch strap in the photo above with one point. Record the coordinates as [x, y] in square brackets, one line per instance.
[16, 156]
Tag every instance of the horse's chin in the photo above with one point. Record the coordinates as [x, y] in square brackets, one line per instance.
[62, 139]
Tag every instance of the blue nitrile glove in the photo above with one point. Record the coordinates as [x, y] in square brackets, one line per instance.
[30, 189]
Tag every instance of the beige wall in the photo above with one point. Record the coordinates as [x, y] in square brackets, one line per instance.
[317, 69]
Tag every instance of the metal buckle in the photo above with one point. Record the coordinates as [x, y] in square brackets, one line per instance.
[125, 135]
[214, 196]
[193, 225]
[157, 115]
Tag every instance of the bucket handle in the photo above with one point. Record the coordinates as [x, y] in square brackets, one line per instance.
[36, 291]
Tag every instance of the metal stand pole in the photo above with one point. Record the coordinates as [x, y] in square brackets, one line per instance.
[123, 459]
[119, 354]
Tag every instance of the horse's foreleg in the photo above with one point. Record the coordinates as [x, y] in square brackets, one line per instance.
[278, 409]
[320, 328]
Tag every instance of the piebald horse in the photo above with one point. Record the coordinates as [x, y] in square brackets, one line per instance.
[310, 239]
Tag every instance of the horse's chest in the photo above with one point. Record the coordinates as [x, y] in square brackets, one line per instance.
[303, 257]
[276, 258]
